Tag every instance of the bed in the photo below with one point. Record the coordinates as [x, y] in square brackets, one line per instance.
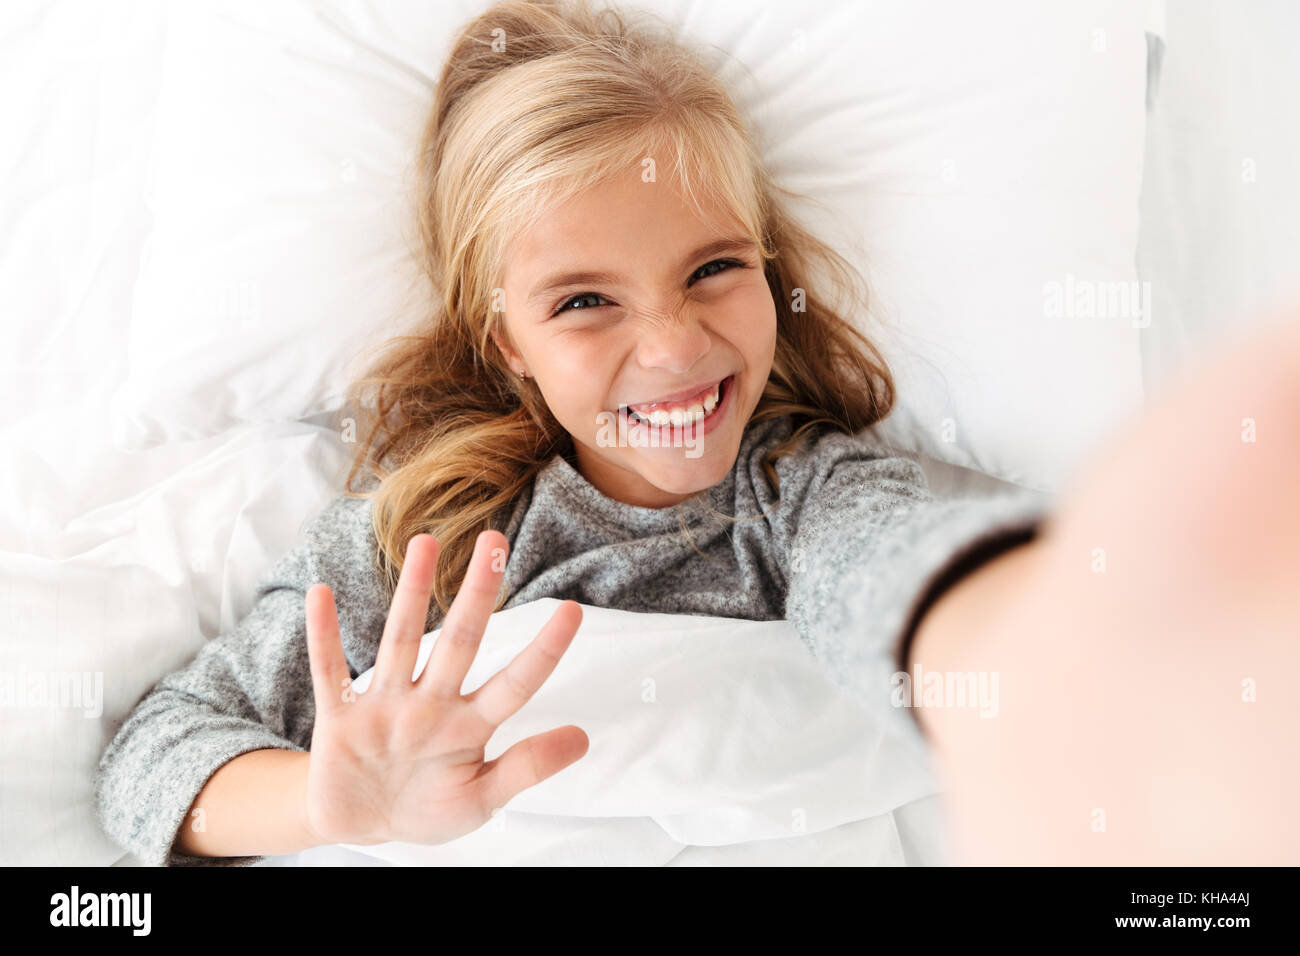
[153, 471]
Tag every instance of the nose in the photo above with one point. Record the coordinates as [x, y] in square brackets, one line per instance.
[671, 341]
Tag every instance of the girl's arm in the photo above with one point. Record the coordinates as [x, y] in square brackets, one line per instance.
[402, 761]
[862, 542]
[255, 804]
[1144, 643]
[246, 691]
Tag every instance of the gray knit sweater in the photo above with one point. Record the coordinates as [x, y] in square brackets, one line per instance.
[850, 553]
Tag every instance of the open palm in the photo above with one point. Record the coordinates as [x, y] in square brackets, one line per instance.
[404, 761]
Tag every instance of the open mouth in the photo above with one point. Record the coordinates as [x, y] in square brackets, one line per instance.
[689, 413]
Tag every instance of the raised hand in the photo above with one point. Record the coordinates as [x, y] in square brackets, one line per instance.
[404, 761]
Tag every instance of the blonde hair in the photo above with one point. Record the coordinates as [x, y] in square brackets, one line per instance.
[538, 101]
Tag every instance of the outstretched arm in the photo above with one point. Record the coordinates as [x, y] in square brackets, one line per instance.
[1144, 643]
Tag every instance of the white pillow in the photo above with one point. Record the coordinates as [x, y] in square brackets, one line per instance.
[704, 731]
[980, 163]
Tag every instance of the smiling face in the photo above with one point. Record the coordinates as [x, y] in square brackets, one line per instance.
[623, 297]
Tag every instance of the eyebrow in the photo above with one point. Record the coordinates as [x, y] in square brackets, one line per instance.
[559, 280]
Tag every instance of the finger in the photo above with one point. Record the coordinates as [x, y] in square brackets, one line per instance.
[512, 686]
[531, 761]
[407, 615]
[462, 630]
[330, 678]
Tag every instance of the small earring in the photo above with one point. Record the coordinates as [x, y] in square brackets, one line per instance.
[523, 374]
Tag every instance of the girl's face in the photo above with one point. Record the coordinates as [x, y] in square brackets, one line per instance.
[622, 297]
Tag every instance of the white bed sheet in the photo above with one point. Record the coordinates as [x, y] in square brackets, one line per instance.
[111, 563]
[1220, 206]
[705, 733]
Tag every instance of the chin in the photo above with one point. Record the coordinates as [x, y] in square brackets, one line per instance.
[671, 471]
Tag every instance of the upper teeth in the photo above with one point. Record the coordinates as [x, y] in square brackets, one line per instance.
[681, 416]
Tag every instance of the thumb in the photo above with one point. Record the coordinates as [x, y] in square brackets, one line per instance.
[530, 761]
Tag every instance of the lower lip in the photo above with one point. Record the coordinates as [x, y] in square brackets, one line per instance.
[666, 434]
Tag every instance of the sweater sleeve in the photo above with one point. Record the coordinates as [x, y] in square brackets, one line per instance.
[247, 689]
[871, 549]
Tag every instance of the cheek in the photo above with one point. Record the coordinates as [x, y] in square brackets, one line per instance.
[576, 367]
[582, 357]
[751, 327]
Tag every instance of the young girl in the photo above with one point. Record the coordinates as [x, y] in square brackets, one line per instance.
[639, 391]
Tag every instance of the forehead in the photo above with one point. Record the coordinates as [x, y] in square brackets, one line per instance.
[616, 220]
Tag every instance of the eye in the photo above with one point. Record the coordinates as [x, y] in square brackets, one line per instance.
[703, 272]
[725, 263]
[568, 303]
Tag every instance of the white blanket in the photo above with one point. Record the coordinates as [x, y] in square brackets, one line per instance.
[711, 741]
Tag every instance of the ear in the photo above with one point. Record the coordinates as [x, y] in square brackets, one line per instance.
[503, 343]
